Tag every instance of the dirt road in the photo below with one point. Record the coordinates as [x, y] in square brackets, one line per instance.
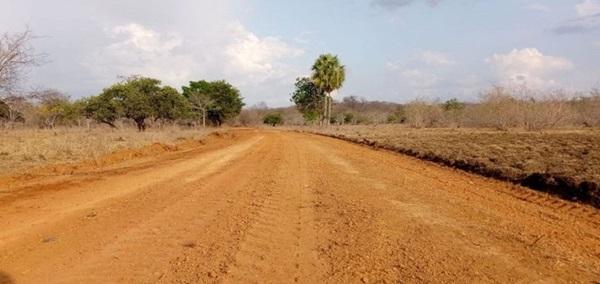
[270, 206]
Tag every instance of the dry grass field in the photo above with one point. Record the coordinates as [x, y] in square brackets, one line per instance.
[26, 148]
[564, 162]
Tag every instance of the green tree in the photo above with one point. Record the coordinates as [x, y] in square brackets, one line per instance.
[104, 108]
[273, 119]
[198, 99]
[75, 111]
[135, 96]
[168, 104]
[309, 99]
[328, 75]
[219, 100]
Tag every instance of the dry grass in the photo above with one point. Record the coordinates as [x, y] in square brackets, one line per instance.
[566, 162]
[22, 149]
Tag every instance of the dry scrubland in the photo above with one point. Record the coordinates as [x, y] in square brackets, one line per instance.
[26, 148]
[563, 162]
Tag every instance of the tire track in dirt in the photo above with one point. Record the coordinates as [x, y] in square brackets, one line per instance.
[110, 187]
[86, 231]
[168, 235]
[280, 244]
[295, 207]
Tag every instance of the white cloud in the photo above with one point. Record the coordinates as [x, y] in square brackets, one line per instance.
[588, 8]
[137, 50]
[258, 58]
[528, 66]
[434, 58]
[232, 53]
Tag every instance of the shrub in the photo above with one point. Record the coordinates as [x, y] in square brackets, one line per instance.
[273, 119]
[420, 113]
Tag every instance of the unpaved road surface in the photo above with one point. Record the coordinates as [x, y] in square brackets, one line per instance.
[268, 206]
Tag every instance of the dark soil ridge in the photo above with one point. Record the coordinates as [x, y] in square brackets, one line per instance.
[565, 187]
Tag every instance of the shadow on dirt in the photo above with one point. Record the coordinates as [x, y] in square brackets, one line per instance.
[5, 278]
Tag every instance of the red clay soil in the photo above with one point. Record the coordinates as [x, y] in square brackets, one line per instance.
[280, 207]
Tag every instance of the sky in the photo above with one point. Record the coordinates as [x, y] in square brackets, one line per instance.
[393, 50]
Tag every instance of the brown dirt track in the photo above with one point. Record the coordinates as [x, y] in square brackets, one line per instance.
[269, 206]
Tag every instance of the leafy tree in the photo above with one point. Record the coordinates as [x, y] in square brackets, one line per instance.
[273, 119]
[168, 104]
[198, 101]
[328, 75]
[74, 111]
[136, 95]
[104, 108]
[309, 99]
[136, 98]
[222, 102]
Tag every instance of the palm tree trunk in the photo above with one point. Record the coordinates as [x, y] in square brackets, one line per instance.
[324, 118]
[329, 109]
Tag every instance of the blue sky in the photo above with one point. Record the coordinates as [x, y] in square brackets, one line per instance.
[394, 50]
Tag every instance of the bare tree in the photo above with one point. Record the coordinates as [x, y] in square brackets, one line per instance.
[200, 102]
[16, 55]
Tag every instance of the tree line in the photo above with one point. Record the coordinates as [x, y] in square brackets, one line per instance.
[141, 100]
[498, 107]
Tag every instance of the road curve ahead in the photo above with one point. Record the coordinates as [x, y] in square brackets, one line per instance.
[261, 206]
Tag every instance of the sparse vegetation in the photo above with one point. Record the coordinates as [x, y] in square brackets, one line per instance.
[25, 148]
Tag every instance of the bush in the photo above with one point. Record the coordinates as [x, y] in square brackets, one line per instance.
[420, 113]
[273, 119]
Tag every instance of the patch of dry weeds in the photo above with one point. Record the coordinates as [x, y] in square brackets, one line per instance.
[21, 149]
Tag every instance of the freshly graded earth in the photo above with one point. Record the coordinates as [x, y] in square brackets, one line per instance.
[279, 207]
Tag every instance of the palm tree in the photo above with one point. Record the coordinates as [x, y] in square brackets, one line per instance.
[328, 75]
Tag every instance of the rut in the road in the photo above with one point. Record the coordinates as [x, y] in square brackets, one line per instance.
[281, 245]
[271, 206]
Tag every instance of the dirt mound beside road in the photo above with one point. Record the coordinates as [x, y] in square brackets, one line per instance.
[269, 206]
